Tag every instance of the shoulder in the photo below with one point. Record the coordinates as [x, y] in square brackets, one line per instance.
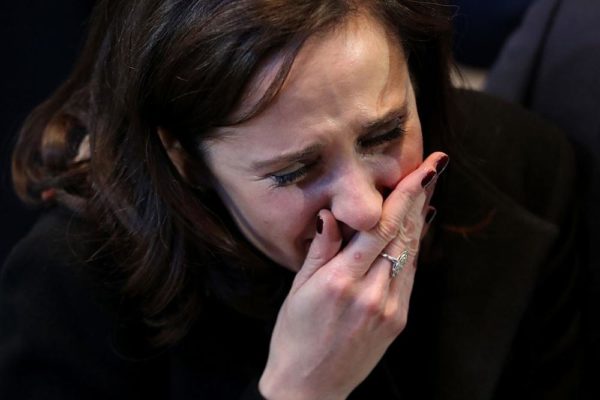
[43, 257]
[50, 260]
[45, 283]
[59, 319]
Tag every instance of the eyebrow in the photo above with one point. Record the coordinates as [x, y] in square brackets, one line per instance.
[366, 128]
[289, 158]
[383, 121]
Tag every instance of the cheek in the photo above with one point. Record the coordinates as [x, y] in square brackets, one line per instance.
[411, 158]
[283, 218]
[281, 225]
[290, 212]
[401, 162]
[285, 225]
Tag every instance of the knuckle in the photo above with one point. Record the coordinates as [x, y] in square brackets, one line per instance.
[314, 258]
[371, 307]
[397, 324]
[408, 194]
[396, 319]
[339, 288]
[388, 228]
[391, 222]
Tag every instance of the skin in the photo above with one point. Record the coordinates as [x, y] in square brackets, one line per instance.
[347, 89]
[324, 111]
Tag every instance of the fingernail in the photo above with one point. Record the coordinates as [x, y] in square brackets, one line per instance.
[319, 224]
[430, 215]
[442, 164]
[428, 179]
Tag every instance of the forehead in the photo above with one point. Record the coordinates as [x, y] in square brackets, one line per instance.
[339, 79]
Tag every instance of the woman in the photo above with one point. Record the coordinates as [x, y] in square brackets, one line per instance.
[247, 194]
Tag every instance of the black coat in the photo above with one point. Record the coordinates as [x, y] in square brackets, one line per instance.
[494, 312]
[551, 66]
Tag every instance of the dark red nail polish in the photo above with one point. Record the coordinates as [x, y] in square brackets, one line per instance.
[428, 179]
[319, 224]
[442, 164]
[430, 215]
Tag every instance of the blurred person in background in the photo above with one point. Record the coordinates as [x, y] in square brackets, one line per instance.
[551, 65]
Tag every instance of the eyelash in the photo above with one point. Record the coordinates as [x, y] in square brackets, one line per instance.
[291, 177]
[295, 176]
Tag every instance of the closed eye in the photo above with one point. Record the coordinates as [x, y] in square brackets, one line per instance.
[377, 140]
[291, 175]
[300, 169]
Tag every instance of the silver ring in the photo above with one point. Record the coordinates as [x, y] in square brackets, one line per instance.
[397, 262]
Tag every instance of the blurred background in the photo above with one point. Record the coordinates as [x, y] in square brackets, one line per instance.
[40, 42]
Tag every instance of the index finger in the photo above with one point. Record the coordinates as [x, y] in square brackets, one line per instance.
[366, 246]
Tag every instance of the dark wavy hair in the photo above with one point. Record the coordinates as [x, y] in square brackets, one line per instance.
[183, 66]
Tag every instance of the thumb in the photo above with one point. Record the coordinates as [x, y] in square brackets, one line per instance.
[325, 245]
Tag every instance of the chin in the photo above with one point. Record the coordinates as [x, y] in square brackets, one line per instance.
[288, 261]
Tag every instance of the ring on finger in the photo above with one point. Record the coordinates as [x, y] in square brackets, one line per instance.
[397, 262]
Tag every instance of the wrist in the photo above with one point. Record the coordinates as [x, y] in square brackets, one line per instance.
[281, 389]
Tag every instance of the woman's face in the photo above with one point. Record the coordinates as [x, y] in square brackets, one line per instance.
[339, 136]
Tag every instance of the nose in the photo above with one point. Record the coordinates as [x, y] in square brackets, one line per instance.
[355, 200]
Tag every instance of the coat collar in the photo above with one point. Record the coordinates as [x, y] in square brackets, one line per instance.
[483, 261]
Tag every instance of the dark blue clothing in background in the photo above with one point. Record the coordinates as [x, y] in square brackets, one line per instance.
[551, 65]
[483, 26]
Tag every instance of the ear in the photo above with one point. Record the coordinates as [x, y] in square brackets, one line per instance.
[190, 169]
[175, 151]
